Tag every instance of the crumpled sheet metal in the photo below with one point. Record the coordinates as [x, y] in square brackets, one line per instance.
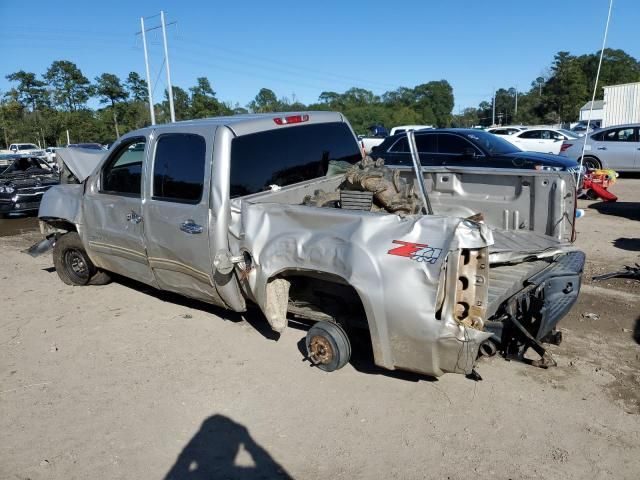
[81, 161]
[62, 201]
[397, 282]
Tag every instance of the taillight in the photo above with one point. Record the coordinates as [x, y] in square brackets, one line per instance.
[565, 146]
[291, 119]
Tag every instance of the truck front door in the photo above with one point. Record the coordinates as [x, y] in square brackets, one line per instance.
[177, 212]
[112, 212]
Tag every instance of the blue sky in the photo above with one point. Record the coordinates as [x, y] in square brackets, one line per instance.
[303, 48]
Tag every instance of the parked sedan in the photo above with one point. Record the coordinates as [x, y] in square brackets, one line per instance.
[506, 130]
[615, 147]
[467, 148]
[544, 140]
[23, 181]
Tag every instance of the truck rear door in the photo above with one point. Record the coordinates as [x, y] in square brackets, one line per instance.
[176, 211]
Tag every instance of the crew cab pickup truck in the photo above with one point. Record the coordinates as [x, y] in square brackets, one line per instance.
[30, 149]
[281, 211]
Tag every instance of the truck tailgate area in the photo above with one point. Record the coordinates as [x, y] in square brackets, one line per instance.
[517, 275]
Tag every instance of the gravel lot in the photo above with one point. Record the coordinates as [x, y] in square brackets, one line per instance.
[125, 382]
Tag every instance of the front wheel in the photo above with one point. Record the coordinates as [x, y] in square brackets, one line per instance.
[591, 163]
[328, 346]
[73, 265]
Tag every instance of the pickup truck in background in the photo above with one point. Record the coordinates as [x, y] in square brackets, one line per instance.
[29, 149]
[377, 134]
[282, 212]
[404, 128]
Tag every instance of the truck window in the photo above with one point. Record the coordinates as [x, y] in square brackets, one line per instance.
[289, 155]
[178, 168]
[123, 172]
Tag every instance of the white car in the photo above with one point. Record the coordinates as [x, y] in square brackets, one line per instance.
[404, 128]
[50, 153]
[543, 140]
[506, 130]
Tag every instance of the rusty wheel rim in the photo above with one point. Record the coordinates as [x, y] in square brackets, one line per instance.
[320, 350]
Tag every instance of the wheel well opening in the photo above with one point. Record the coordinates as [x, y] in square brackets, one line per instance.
[59, 223]
[317, 296]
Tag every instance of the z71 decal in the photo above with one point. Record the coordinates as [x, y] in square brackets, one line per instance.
[420, 252]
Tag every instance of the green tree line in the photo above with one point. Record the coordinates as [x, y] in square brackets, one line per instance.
[558, 95]
[42, 108]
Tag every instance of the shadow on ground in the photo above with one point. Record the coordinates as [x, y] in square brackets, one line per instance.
[221, 449]
[636, 331]
[630, 210]
[631, 244]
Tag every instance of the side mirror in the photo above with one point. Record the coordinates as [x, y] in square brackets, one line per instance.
[469, 152]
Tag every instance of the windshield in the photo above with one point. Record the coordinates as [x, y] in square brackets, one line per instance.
[27, 146]
[568, 133]
[25, 165]
[491, 143]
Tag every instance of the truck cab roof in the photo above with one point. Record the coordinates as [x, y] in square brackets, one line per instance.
[255, 122]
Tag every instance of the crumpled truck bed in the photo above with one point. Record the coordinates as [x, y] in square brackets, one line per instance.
[396, 265]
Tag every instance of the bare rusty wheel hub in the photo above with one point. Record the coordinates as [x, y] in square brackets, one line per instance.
[320, 350]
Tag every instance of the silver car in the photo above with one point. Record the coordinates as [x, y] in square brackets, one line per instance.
[614, 147]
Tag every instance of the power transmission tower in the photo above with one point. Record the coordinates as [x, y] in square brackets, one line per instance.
[163, 25]
[146, 65]
[166, 61]
[493, 109]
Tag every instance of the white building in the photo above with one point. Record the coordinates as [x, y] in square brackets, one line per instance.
[596, 115]
[621, 104]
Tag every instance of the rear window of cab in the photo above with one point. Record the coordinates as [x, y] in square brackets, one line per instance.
[289, 155]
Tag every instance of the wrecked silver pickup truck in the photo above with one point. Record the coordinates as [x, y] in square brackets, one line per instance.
[281, 211]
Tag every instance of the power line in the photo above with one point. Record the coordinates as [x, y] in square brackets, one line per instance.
[298, 69]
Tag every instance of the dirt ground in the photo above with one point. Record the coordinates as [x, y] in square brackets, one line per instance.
[125, 382]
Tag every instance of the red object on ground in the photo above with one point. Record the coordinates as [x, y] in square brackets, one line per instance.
[601, 192]
[596, 183]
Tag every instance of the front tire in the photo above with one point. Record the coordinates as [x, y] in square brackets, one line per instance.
[328, 346]
[591, 163]
[73, 265]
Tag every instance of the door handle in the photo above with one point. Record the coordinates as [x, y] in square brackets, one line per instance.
[191, 227]
[133, 217]
[601, 148]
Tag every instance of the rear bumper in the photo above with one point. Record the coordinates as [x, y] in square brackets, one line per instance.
[546, 298]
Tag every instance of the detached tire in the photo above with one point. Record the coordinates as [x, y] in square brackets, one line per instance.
[328, 346]
[73, 264]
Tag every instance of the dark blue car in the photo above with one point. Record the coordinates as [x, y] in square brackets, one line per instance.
[462, 147]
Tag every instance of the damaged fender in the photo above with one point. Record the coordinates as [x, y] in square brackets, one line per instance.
[398, 267]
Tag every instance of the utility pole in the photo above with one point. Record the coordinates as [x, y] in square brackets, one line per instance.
[493, 113]
[68, 138]
[146, 64]
[166, 61]
[516, 112]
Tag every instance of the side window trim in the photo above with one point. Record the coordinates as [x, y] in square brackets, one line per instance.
[116, 153]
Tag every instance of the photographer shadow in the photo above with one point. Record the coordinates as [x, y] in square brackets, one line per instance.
[223, 448]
